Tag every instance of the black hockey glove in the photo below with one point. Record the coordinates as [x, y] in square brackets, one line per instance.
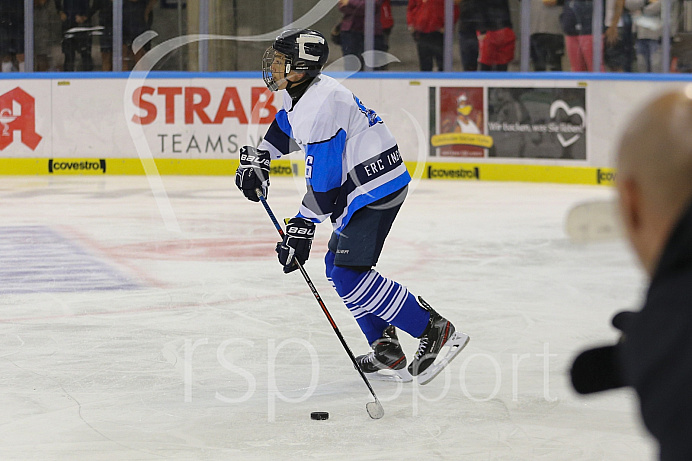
[296, 244]
[596, 370]
[253, 172]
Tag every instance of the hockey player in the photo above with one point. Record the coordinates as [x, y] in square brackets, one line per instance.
[356, 177]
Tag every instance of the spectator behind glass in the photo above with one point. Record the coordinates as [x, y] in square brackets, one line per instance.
[75, 13]
[547, 40]
[426, 21]
[576, 21]
[648, 26]
[496, 39]
[104, 8]
[46, 33]
[12, 35]
[387, 21]
[619, 46]
[137, 18]
[468, 40]
[353, 27]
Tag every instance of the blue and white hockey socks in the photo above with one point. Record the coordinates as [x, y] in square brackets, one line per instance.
[376, 301]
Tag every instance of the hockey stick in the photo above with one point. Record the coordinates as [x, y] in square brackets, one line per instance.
[375, 409]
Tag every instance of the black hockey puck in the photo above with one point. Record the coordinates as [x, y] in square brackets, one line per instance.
[319, 415]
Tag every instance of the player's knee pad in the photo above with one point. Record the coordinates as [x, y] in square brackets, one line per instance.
[345, 279]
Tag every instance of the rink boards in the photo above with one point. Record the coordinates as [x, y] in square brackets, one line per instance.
[561, 128]
[214, 167]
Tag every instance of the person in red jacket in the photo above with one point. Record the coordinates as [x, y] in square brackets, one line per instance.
[387, 21]
[426, 21]
[496, 39]
[353, 29]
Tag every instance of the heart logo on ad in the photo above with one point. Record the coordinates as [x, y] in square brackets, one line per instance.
[560, 104]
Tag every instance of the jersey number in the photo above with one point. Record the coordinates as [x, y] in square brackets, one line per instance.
[308, 166]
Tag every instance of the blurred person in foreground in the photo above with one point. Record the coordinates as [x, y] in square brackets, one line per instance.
[654, 354]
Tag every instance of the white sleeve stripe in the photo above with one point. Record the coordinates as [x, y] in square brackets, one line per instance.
[308, 213]
[274, 153]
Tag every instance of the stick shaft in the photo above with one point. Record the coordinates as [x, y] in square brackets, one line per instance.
[318, 298]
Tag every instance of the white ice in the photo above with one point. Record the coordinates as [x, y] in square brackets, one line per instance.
[123, 340]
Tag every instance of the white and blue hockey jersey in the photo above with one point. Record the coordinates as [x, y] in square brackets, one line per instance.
[351, 157]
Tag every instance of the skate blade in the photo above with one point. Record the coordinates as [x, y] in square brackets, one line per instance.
[397, 376]
[455, 344]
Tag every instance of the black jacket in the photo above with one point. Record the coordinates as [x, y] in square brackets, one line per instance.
[577, 17]
[468, 18]
[73, 8]
[656, 355]
[488, 14]
[12, 13]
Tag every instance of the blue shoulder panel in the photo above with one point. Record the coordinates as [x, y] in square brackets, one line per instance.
[281, 119]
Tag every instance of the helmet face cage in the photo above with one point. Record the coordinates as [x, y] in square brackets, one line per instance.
[267, 73]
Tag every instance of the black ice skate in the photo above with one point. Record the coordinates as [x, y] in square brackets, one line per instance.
[428, 361]
[387, 361]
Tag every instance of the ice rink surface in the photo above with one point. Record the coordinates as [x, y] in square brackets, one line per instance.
[126, 339]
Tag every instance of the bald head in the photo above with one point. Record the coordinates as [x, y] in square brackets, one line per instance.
[654, 172]
[656, 150]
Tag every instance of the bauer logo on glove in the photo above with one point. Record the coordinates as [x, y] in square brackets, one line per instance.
[310, 233]
[253, 172]
[296, 244]
[258, 160]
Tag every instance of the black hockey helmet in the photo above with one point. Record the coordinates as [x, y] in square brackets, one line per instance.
[305, 51]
